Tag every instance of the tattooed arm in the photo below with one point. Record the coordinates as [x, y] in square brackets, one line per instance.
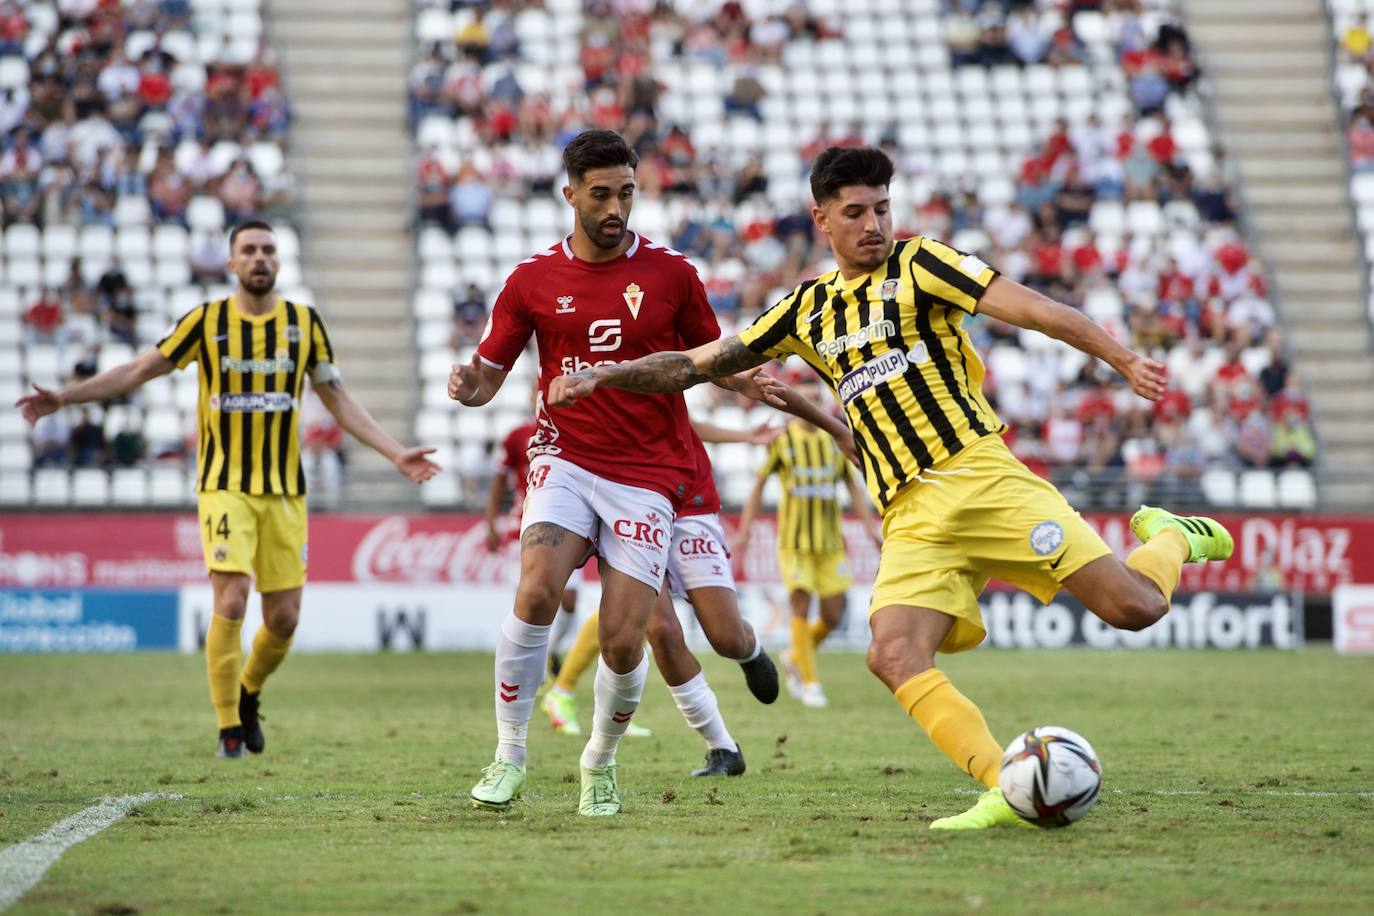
[659, 373]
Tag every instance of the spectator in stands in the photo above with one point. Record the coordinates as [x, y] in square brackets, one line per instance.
[469, 316]
[470, 198]
[1276, 375]
[1359, 140]
[169, 191]
[209, 254]
[240, 192]
[1293, 445]
[127, 448]
[1028, 40]
[86, 448]
[745, 95]
[1252, 439]
[121, 317]
[51, 436]
[43, 318]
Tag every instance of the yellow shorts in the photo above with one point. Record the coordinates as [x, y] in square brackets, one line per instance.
[259, 535]
[822, 574]
[982, 515]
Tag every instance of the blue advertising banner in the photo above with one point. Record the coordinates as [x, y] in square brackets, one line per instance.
[86, 620]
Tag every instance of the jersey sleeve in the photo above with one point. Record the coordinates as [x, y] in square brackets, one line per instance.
[508, 329]
[949, 275]
[321, 351]
[182, 343]
[696, 320]
[773, 333]
[511, 450]
[772, 462]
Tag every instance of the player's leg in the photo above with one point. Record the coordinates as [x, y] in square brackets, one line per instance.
[281, 611]
[693, 695]
[833, 580]
[560, 702]
[279, 566]
[699, 567]
[902, 655]
[554, 540]
[801, 657]
[717, 610]
[626, 605]
[562, 625]
[224, 656]
[229, 537]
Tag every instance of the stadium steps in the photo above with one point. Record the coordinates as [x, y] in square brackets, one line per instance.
[345, 64]
[1269, 66]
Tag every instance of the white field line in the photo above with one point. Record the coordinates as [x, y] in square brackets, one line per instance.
[1274, 793]
[23, 864]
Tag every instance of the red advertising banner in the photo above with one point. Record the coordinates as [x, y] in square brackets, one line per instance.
[124, 550]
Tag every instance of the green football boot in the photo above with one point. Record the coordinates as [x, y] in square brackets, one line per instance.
[991, 810]
[1207, 539]
[502, 781]
[599, 793]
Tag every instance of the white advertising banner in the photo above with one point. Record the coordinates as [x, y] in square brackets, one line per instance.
[1352, 619]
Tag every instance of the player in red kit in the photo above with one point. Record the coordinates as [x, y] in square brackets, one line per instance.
[607, 475]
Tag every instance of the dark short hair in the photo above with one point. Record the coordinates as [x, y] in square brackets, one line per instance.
[245, 226]
[596, 149]
[844, 166]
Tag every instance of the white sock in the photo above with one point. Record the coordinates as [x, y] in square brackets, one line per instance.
[617, 698]
[562, 626]
[697, 703]
[520, 652]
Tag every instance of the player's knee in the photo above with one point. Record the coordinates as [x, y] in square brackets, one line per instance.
[1143, 608]
[622, 655]
[538, 599]
[664, 631]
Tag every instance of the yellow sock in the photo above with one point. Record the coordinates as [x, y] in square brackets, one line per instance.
[953, 723]
[1161, 560]
[820, 629]
[585, 648]
[223, 661]
[803, 650]
[268, 651]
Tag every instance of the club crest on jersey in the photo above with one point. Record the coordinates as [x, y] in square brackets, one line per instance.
[891, 289]
[634, 298]
[565, 305]
[293, 333]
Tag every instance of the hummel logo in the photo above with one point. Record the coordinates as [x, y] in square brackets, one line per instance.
[564, 305]
[620, 718]
[512, 695]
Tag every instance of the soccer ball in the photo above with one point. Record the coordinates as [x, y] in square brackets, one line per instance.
[1051, 776]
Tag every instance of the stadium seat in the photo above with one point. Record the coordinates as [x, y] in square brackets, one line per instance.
[15, 488]
[90, 487]
[1257, 490]
[1219, 486]
[167, 486]
[51, 487]
[1296, 489]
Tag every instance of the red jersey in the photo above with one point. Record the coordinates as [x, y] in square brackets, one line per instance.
[515, 459]
[702, 498]
[584, 314]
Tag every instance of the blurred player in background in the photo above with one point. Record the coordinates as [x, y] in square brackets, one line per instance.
[811, 549]
[513, 469]
[255, 351]
[885, 330]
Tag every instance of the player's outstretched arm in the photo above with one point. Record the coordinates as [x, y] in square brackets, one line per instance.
[474, 383]
[1013, 303]
[659, 373]
[107, 385]
[762, 434]
[412, 462]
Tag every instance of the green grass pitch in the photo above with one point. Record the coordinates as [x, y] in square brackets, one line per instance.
[1233, 782]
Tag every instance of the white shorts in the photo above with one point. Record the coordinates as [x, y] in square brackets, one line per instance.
[700, 556]
[630, 527]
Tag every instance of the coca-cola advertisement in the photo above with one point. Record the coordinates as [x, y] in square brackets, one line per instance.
[1275, 552]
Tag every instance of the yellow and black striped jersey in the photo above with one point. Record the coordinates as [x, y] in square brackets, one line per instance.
[252, 371]
[810, 467]
[891, 344]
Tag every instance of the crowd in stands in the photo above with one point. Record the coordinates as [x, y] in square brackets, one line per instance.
[1187, 290]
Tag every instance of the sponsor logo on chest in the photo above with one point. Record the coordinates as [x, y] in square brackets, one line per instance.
[881, 329]
[253, 402]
